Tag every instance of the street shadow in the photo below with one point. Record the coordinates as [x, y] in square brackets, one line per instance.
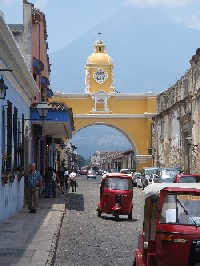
[74, 201]
[121, 219]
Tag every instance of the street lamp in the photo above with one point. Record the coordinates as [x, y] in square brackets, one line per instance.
[42, 109]
[3, 87]
[190, 145]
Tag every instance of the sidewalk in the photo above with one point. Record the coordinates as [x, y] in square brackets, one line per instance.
[29, 238]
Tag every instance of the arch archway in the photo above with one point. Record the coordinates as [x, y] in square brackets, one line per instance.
[131, 114]
[132, 144]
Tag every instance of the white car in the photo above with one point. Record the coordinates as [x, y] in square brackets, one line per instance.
[126, 172]
[91, 174]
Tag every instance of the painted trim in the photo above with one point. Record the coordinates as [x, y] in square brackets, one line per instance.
[112, 116]
[118, 96]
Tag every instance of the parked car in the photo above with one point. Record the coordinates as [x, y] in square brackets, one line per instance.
[166, 174]
[100, 171]
[146, 173]
[91, 174]
[187, 178]
[83, 172]
[113, 171]
[137, 182]
[126, 172]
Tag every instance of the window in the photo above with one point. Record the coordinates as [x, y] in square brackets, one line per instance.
[181, 209]
[119, 183]
[3, 131]
[9, 137]
[15, 137]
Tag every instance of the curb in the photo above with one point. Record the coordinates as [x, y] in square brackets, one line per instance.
[52, 253]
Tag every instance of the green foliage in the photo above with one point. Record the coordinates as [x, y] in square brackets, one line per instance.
[81, 161]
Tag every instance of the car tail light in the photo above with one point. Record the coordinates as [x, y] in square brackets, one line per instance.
[165, 237]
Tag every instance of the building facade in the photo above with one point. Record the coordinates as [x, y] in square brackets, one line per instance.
[15, 131]
[31, 126]
[176, 128]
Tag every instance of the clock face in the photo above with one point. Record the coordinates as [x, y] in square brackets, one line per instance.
[100, 76]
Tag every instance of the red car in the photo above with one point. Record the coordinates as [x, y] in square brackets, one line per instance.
[187, 178]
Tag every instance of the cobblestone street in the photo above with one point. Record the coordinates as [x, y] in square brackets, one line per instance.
[86, 239]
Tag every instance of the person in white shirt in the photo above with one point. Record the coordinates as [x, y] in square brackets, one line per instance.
[72, 177]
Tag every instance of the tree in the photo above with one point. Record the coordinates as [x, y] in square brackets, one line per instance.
[81, 161]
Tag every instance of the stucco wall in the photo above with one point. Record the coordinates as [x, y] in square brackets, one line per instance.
[178, 118]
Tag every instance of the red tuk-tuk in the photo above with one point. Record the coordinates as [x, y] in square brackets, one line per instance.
[116, 194]
[171, 226]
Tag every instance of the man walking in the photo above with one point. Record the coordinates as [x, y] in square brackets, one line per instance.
[33, 183]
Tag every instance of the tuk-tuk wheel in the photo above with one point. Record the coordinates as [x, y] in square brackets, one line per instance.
[98, 213]
[117, 216]
[130, 216]
[134, 263]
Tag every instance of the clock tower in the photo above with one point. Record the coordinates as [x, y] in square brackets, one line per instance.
[99, 71]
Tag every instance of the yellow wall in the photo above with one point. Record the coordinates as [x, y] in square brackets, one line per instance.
[121, 116]
[131, 114]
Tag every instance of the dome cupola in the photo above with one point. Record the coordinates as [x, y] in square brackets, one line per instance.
[99, 70]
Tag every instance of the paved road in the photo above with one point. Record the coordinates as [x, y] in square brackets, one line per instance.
[88, 240]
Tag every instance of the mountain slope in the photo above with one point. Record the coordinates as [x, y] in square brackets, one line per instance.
[149, 51]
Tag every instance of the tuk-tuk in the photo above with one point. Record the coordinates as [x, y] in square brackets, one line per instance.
[171, 226]
[116, 194]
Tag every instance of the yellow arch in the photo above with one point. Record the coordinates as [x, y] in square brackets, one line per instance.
[131, 114]
[132, 144]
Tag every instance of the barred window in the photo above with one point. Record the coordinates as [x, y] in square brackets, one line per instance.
[9, 137]
[15, 137]
[3, 133]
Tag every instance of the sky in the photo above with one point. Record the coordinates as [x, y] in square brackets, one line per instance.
[68, 20]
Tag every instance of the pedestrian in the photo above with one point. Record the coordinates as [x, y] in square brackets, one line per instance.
[60, 176]
[66, 177]
[48, 182]
[54, 183]
[72, 177]
[33, 181]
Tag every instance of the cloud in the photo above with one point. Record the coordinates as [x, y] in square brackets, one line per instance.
[9, 2]
[41, 4]
[149, 3]
[195, 22]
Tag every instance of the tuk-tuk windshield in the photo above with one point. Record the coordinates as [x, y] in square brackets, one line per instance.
[119, 183]
[181, 209]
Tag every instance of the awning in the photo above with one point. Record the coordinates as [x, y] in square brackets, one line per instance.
[57, 123]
